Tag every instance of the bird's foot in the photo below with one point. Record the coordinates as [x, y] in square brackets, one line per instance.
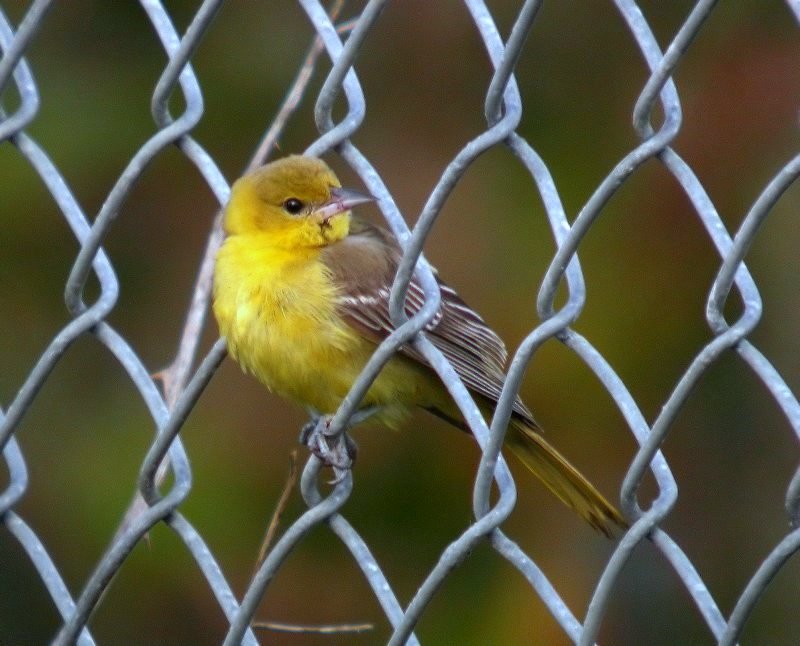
[337, 450]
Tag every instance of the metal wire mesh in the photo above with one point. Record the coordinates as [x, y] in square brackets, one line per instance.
[170, 406]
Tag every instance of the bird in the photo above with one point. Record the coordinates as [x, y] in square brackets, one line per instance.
[301, 296]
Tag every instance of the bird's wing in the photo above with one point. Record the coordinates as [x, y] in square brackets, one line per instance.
[363, 265]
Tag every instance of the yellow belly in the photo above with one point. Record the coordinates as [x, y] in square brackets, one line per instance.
[278, 314]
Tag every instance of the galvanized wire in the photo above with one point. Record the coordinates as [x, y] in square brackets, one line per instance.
[503, 114]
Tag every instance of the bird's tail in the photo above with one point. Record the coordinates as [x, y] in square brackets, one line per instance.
[560, 477]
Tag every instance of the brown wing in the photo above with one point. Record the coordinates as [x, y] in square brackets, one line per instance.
[364, 264]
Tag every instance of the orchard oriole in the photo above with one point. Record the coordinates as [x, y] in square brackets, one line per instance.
[301, 295]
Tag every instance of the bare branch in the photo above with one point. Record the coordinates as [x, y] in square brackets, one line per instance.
[324, 629]
[269, 536]
[175, 376]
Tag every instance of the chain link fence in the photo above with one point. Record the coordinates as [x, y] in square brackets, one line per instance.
[93, 291]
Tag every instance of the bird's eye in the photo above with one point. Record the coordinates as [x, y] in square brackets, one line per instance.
[293, 206]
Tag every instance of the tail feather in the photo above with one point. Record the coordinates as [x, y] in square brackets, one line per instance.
[560, 477]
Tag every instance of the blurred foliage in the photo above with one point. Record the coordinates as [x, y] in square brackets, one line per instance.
[647, 262]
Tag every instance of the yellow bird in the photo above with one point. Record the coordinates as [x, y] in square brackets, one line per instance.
[301, 295]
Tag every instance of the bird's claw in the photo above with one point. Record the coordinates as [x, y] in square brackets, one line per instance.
[333, 450]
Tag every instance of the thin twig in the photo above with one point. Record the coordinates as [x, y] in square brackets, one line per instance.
[329, 629]
[272, 529]
[292, 100]
[175, 376]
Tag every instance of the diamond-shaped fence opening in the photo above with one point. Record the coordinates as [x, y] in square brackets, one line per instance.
[610, 184]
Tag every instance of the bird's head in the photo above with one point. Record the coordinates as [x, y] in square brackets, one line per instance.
[296, 202]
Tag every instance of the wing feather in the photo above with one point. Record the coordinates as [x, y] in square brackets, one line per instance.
[364, 265]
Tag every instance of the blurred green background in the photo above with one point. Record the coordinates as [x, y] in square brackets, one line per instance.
[648, 266]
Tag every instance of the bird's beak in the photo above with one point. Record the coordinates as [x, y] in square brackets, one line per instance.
[342, 199]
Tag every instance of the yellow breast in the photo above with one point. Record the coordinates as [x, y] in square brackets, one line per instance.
[277, 311]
